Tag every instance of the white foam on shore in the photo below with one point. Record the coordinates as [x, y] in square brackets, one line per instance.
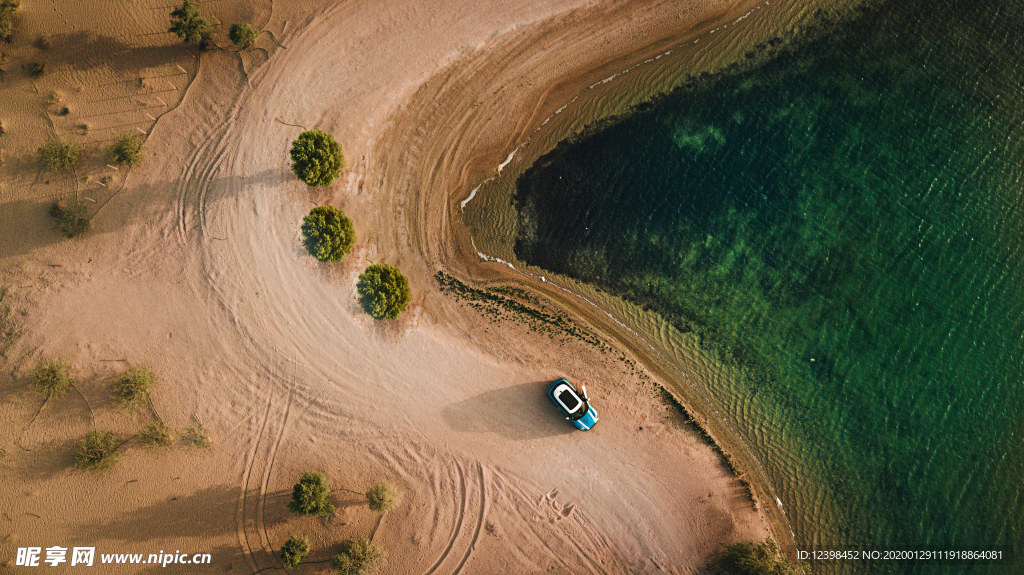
[488, 258]
[722, 420]
[502, 165]
[470, 198]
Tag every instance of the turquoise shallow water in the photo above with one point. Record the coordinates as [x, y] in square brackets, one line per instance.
[843, 224]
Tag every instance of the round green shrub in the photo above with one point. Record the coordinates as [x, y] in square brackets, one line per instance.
[188, 23]
[312, 495]
[381, 497]
[328, 233]
[96, 451]
[72, 217]
[243, 35]
[383, 291]
[317, 158]
[359, 556]
[155, 435]
[294, 551]
[127, 150]
[57, 155]
[52, 377]
[133, 387]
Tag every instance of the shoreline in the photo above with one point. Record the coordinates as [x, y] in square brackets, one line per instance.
[474, 263]
[270, 350]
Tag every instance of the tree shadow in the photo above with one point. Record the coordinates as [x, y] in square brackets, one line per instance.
[209, 512]
[26, 224]
[516, 412]
[85, 50]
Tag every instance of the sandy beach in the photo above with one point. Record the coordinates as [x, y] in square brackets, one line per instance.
[194, 266]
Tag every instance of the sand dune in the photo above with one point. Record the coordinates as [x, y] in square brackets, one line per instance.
[194, 266]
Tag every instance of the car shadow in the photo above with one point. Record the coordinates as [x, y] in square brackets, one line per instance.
[517, 412]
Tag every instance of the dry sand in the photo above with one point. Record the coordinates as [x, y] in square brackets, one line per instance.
[194, 267]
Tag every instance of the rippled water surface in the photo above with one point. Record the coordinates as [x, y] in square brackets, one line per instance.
[844, 225]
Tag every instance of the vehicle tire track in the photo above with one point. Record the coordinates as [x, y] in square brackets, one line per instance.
[457, 527]
[264, 486]
[243, 535]
[196, 164]
[479, 523]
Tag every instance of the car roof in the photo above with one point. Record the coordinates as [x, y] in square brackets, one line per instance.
[566, 390]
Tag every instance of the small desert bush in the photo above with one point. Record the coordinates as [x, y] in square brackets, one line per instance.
[71, 217]
[188, 23]
[359, 557]
[133, 386]
[382, 497]
[751, 559]
[312, 495]
[96, 450]
[52, 377]
[317, 158]
[383, 291]
[243, 35]
[43, 42]
[328, 233]
[126, 150]
[294, 551]
[196, 436]
[7, 10]
[155, 435]
[58, 155]
[36, 69]
[206, 43]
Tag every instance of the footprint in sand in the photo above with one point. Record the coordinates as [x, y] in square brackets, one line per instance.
[549, 496]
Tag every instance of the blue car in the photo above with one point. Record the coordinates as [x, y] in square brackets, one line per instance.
[575, 405]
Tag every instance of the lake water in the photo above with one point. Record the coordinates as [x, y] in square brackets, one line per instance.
[843, 224]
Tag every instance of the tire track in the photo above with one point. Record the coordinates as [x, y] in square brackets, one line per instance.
[243, 535]
[196, 181]
[479, 523]
[264, 486]
[458, 521]
[253, 534]
[187, 181]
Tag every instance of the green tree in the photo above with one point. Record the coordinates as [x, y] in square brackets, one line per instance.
[188, 23]
[383, 291]
[312, 495]
[243, 35]
[317, 158]
[52, 377]
[58, 155]
[126, 150]
[328, 233]
[381, 497]
[359, 557]
[294, 551]
[96, 450]
[752, 559]
[133, 387]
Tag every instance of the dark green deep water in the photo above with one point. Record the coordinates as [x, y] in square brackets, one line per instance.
[844, 224]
